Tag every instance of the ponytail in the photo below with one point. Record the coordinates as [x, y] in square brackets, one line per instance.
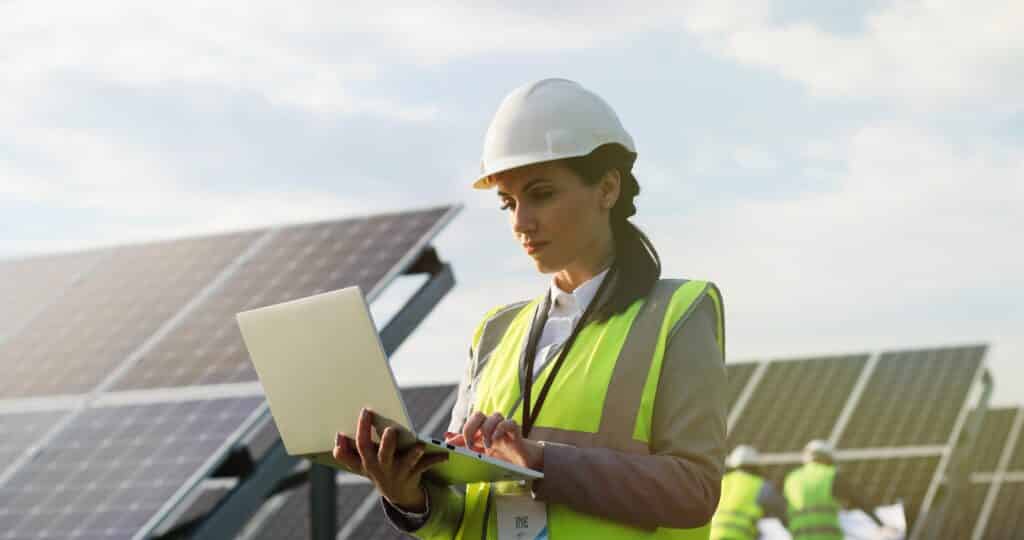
[637, 265]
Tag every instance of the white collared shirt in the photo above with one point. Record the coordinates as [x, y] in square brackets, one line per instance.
[565, 312]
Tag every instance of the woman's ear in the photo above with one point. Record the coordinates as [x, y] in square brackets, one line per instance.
[611, 188]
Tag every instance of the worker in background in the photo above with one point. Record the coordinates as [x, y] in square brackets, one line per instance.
[611, 382]
[814, 492]
[746, 498]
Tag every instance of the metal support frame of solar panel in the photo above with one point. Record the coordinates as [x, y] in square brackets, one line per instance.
[849, 425]
[283, 517]
[198, 289]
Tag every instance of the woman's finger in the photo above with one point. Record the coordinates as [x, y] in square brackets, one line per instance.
[410, 458]
[364, 444]
[386, 451]
[345, 453]
[427, 462]
[488, 428]
[472, 424]
[455, 439]
[507, 428]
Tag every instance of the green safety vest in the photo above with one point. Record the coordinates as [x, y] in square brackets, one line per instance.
[813, 511]
[738, 511]
[603, 396]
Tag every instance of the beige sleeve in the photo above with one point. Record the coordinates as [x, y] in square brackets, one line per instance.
[679, 484]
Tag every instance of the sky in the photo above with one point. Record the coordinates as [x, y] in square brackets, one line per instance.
[851, 174]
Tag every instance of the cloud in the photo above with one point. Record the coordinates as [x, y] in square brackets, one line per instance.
[230, 45]
[921, 52]
[912, 245]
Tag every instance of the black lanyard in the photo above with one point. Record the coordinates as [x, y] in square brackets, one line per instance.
[530, 416]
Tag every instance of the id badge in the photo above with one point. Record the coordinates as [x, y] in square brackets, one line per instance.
[519, 516]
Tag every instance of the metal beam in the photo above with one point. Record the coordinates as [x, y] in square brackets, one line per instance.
[417, 308]
[229, 517]
[323, 507]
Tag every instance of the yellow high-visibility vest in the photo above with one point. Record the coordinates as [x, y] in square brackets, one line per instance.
[603, 396]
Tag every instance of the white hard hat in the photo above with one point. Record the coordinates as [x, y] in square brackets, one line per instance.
[818, 447]
[742, 455]
[547, 120]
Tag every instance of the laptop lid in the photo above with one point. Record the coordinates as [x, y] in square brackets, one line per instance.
[320, 361]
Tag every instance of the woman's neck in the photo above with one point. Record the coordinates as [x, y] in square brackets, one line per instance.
[581, 271]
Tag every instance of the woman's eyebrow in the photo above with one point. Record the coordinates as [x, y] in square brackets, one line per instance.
[528, 185]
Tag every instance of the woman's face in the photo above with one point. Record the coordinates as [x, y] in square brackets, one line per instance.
[557, 219]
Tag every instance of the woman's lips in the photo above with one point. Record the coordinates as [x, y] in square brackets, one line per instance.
[534, 247]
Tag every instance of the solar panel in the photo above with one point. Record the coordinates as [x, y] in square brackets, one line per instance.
[298, 261]
[961, 518]
[913, 398]
[20, 430]
[989, 445]
[113, 468]
[27, 285]
[808, 394]
[79, 338]
[738, 375]
[1007, 520]
[1017, 459]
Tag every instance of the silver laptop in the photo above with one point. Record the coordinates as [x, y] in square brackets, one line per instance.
[320, 361]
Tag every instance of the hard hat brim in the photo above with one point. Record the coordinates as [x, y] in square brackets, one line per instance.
[486, 178]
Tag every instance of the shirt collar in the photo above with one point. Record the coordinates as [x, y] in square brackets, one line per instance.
[576, 302]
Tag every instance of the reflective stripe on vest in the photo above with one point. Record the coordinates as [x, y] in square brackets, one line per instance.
[596, 400]
[738, 511]
[813, 511]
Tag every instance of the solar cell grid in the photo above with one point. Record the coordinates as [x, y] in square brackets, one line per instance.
[299, 261]
[27, 285]
[738, 375]
[1007, 521]
[903, 387]
[990, 442]
[18, 431]
[112, 468]
[76, 340]
[796, 401]
[961, 517]
[1017, 459]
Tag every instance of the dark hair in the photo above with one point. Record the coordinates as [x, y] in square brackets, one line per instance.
[637, 264]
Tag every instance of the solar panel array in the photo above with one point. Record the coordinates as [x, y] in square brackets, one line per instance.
[891, 416]
[125, 379]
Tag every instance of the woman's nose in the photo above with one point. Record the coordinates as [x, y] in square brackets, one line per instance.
[523, 221]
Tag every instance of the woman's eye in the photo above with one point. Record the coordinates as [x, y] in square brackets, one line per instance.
[507, 205]
[541, 195]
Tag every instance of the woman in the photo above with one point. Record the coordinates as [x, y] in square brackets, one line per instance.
[623, 372]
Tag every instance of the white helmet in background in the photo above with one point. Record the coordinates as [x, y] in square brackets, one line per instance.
[819, 448]
[548, 120]
[742, 455]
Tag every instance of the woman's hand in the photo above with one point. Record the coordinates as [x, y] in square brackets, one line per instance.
[499, 437]
[396, 475]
